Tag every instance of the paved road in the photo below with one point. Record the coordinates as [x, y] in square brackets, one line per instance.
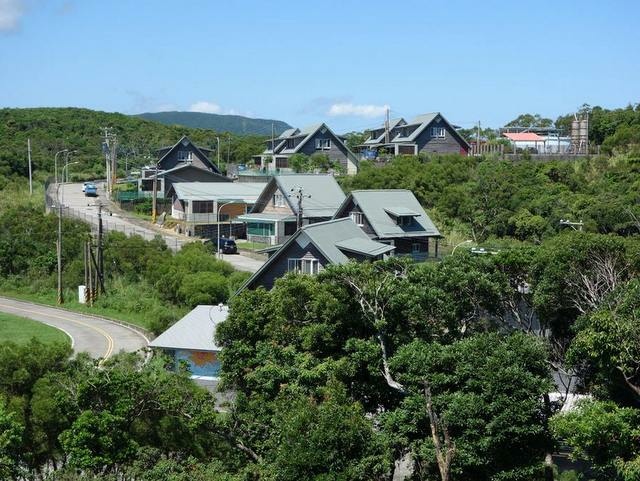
[99, 337]
[84, 208]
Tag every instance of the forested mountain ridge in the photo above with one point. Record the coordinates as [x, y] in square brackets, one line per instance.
[54, 129]
[236, 124]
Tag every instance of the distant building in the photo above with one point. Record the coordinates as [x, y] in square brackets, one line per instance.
[181, 162]
[544, 141]
[311, 140]
[427, 133]
[315, 246]
[273, 218]
[394, 217]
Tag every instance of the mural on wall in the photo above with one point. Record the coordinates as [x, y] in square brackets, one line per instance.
[200, 363]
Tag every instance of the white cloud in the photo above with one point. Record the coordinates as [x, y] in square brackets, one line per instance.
[205, 107]
[353, 110]
[10, 13]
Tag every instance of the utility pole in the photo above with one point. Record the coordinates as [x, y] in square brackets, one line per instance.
[573, 225]
[299, 193]
[228, 147]
[154, 212]
[59, 252]
[386, 128]
[218, 151]
[109, 148]
[478, 140]
[100, 250]
[30, 175]
[273, 146]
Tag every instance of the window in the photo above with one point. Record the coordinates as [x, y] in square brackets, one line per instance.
[278, 200]
[202, 207]
[282, 162]
[357, 217]
[437, 132]
[323, 144]
[304, 265]
[404, 221]
[415, 248]
[184, 156]
[291, 143]
[261, 228]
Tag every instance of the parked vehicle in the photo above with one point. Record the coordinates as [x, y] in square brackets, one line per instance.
[84, 186]
[90, 190]
[227, 246]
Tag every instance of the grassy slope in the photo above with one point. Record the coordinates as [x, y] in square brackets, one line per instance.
[20, 330]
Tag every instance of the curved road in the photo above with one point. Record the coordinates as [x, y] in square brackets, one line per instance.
[97, 336]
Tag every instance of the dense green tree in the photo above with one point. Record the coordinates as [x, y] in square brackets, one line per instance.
[604, 435]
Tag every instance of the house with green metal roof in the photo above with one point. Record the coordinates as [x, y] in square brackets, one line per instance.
[274, 216]
[426, 133]
[314, 247]
[394, 217]
[210, 209]
[313, 139]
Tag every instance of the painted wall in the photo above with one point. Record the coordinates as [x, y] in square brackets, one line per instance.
[200, 363]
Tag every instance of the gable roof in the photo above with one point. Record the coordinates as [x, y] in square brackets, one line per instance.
[184, 140]
[380, 206]
[332, 238]
[326, 194]
[195, 331]
[421, 121]
[185, 166]
[243, 191]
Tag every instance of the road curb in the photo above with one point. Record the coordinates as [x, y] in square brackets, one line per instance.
[148, 335]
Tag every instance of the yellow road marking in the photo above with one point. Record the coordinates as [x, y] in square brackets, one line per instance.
[99, 330]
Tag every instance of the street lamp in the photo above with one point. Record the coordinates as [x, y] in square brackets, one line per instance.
[218, 151]
[66, 161]
[458, 245]
[218, 221]
[55, 162]
[59, 242]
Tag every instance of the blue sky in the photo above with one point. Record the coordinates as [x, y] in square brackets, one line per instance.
[336, 61]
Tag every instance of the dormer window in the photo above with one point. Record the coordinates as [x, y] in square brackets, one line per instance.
[404, 221]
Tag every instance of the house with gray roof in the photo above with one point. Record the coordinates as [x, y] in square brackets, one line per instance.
[192, 340]
[394, 217]
[210, 209]
[273, 218]
[181, 162]
[315, 246]
[310, 140]
[427, 133]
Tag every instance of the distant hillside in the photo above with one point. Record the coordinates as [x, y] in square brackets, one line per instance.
[235, 124]
[54, 129]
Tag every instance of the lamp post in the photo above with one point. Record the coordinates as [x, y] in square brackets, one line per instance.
[459, 244]
[218, 151]
[55, 162]
[218, 222]
[59, 242]
[66, 162]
